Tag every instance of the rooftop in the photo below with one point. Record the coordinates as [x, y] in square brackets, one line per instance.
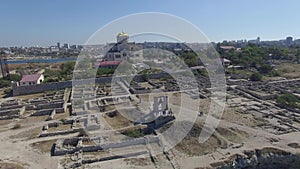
[30, 78]
[122, 34]
[108, 63]
[227, 47]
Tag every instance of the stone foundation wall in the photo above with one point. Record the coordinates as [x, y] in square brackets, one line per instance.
[39, 88]
[42, 112]
[266, 97]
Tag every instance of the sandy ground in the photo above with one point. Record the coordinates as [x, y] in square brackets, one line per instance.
[19, 150]
[21, 146]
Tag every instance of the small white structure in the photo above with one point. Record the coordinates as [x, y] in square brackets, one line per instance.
[31, 79]
[225, 62]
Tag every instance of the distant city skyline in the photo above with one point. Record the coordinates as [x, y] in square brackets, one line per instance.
[44, 23]
[63, 45]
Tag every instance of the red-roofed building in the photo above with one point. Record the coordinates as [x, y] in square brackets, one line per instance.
[31, 79]
[227, 47]
[108, 64]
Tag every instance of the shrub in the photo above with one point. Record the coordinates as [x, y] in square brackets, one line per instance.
[4, 83]
[256, 77]
[16, 126]
[274, 73]
[105, 71]
[62, 120]
[265, 69]
[14, 77]
[289, 100]
[134, 133]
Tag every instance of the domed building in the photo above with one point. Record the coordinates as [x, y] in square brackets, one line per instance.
[122, 49]
[122, 37]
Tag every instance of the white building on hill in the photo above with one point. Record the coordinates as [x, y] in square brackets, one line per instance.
[31, 79]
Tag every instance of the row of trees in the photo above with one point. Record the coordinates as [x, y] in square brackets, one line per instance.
[259, 58]
[254, 56]
[65, 72]
[250, 57]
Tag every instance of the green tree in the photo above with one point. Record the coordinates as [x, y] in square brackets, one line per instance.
[14, 77]
[256, 77]
[190, 58]
[105, 71]
[265, 69]
[67, 68]
[4, 83]
[134, 133]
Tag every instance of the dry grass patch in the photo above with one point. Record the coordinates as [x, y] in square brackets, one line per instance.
[8, 165]
[289, 70]
[117, 121]
[32, 120]
[30, 96]
[43, 146]
[61, 116]
[5, 122]
[233, 135]
[93, 155]
[190, 144]
[27, 134]
[60, 128]
[138, 161]
[233, 116]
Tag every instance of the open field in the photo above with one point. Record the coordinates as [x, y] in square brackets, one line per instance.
[289, 70]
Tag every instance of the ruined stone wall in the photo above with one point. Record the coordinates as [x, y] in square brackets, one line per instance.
[10, 107]
[51, 105]
[39, 88]
[266, 97]
[261, 159]
[65, 132]
[42, 112]
[106, 146]
[12, 113]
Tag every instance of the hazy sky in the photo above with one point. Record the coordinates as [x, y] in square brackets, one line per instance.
[45, 22]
